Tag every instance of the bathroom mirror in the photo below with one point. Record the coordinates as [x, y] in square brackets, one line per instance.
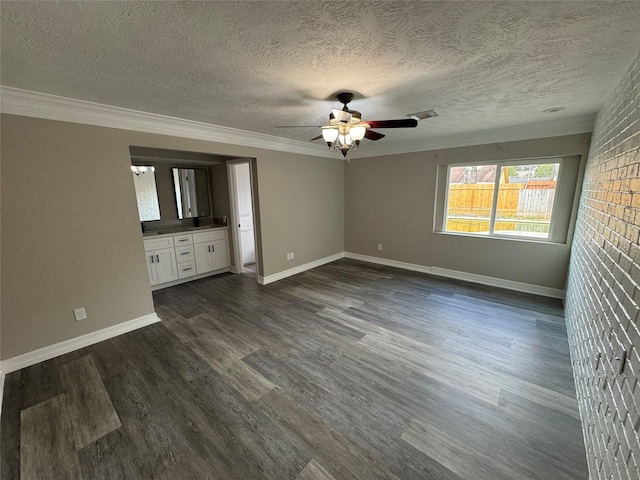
[144, 179]
[192, 192]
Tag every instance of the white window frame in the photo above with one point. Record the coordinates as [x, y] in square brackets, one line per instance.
[499, 164]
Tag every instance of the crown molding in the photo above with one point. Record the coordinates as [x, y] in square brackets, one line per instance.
[554, 128]
[16, 101]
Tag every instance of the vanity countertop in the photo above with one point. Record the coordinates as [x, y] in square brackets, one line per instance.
[176, 230]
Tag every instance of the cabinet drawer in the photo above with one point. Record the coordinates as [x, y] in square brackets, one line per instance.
[186, 269]
[209, 236]
[184, 254]
[158, 243]
[186, 239]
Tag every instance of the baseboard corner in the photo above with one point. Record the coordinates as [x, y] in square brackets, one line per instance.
[299, 269]
[388, 262]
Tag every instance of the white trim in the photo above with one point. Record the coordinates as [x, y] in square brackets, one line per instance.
[467, 277]
[299, 269]
[390, 263]
[16, 101]
[27, 103]
[441, 272]
[553, 128]
[499, 282]
[236, 240]
[238, 247]
[1, 390]
[57, 349]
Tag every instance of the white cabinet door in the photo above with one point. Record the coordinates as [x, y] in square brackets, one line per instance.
[161, 266]
[204, 262]
[220, 254]
[165, 262]
[211, 256]
[151, 268]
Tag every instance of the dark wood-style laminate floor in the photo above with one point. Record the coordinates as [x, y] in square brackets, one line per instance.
[347, 371]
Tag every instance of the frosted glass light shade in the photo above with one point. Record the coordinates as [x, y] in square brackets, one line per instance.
[357, 132]
[345, 139]
[329, 134]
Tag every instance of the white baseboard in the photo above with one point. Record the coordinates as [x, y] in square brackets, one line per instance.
[499, 282]
[390, 263]
[299, 269]
[467, 277]
[1, 390]
[55, 350]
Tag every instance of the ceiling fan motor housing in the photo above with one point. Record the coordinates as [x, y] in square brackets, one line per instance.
[345, 98]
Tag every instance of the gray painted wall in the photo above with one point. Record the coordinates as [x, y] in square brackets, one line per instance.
[71, 235]
[392, 200]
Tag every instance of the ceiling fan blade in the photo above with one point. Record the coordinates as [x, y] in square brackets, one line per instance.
[316, 138]
[298, 126]
[402, 123]
[371, 135]
[341, 115]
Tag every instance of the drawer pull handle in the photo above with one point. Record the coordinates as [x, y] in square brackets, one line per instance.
[186, 269]
[152, 259]
[185, 253]
[157, 259]
[184, 240]
[209, 248]
[213, 248]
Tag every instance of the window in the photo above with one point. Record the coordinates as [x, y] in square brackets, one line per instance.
[514, 199]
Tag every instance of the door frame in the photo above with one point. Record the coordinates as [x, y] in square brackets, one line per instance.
[238, 263]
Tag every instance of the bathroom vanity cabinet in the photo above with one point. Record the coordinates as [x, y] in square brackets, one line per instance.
[179, 257]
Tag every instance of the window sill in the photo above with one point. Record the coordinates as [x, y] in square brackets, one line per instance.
[514, 238]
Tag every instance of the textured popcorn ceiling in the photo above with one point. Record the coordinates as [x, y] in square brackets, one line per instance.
[254, 65]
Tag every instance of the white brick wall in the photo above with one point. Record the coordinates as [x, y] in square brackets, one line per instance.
[603, 290]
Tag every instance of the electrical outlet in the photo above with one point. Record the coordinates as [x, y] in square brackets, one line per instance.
[379, 246]
[292, 256]
[80, 314]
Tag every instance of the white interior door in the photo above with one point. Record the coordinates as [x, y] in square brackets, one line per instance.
[245, 213]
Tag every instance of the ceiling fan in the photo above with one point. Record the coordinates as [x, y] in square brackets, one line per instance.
[346, 128]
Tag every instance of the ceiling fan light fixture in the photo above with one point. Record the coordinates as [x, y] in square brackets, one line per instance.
[346, 128]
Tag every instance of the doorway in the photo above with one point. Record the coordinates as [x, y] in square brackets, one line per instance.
[242, 212]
